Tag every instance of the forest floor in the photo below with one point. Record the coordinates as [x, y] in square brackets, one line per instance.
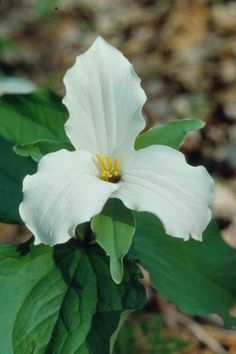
[185, 54]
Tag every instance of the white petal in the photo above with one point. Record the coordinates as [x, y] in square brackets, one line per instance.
[104, 99]
[62, 194]
[159, 180]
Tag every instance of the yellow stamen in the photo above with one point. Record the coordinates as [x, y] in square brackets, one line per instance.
[109, 171]
[116, 167]
[101, 164]
[109, 164]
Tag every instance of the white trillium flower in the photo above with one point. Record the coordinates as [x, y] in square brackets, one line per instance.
[104, 99]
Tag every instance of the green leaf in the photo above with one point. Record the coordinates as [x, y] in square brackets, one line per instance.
[47, 299]
[199, 277]
[13, 169]
[171, 134]
[114, 229]
[53, 300]
[40, 148]
[28, 118]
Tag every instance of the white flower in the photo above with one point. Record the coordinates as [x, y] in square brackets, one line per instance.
[104, 99]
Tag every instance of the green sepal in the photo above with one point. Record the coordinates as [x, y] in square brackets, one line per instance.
[114, 228]
[171, 134]
[40, 148]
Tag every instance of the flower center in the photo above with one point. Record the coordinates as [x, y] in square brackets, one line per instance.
[109, 171]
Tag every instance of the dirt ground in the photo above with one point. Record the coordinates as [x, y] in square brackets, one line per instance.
[185, 53]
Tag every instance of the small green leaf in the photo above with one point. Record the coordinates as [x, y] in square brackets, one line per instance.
[28, 118]
[40, 148]
[199, 277]
[114, 229]
[171, 134]
[13, 169]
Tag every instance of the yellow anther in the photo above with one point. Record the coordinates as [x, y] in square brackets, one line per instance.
[109, 164]
[116, 167]
[101, 164]
[109, 171]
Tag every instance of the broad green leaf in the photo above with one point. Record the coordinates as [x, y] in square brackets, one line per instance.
[199, 277]
[47, 299]
[114, 229]
[53, 300]
[13, 169]
[28, 118]
[171, 134]
[40, 148]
